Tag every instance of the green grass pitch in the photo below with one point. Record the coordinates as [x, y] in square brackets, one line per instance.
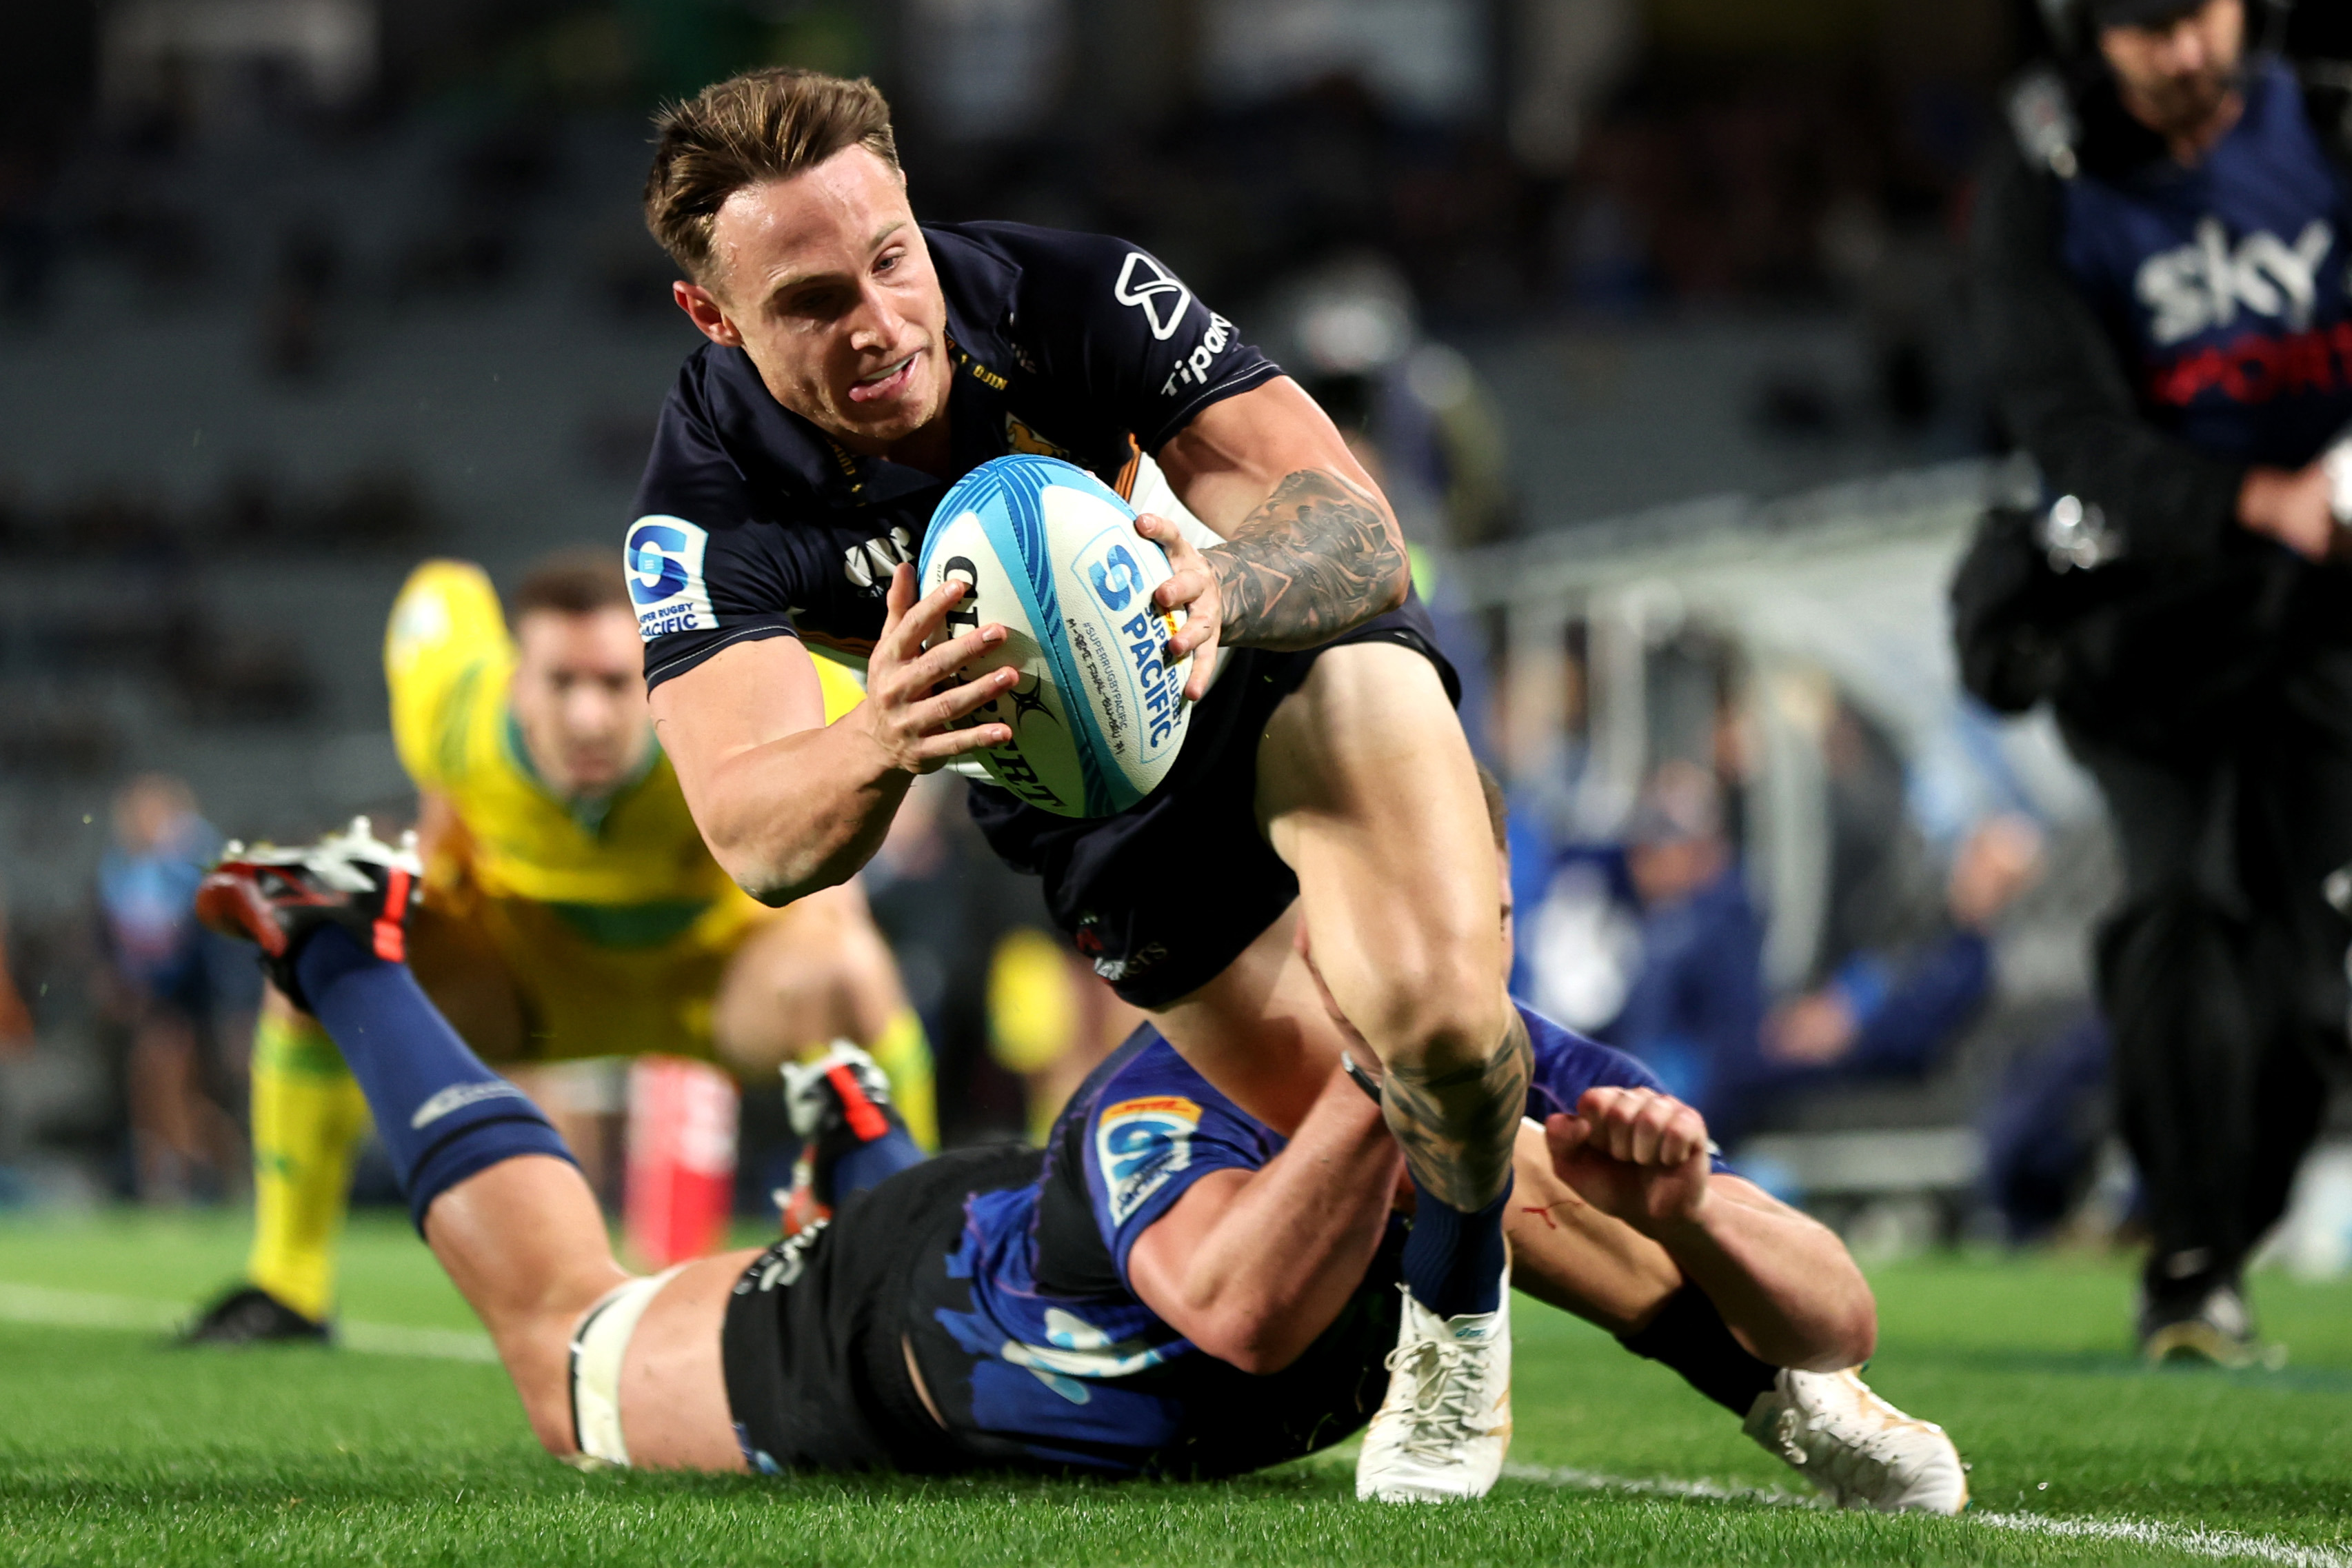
[116, 1450]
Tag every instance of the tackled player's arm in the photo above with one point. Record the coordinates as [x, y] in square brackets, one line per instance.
[1311, 548]
[788, 803]
[1785, 1284]
[1252, 1266]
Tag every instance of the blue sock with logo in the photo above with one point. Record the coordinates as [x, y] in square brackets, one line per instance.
[442, 1116]
[1452, 1261]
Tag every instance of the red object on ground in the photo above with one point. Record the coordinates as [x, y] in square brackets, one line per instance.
[682, 1141]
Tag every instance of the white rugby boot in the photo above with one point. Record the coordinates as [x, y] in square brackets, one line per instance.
[1857, 1449]
[1442, 1432]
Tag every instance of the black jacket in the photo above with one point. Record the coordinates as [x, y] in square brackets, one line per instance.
[2197, 607]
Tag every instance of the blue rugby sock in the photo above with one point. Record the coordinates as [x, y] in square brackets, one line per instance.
[442, 1116]
[870, 1164]
[1453, 1261]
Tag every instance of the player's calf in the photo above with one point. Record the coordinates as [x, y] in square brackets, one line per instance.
[490, 1186]
[331, 919]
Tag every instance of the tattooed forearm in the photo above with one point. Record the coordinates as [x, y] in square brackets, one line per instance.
[1458, 1128]
[1316, 560]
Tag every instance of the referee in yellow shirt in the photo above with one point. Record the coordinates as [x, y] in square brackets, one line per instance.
[571, 910]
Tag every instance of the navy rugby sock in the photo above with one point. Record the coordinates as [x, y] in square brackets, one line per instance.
[867, 1147]
[442, 1116]
[1689, 1335]
[1453, 1261]
[870, 1164]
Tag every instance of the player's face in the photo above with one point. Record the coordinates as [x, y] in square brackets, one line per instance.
[579, 697]
[824, 280]
[2177, 75]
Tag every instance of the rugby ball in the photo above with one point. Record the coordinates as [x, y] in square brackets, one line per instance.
[1051, 554]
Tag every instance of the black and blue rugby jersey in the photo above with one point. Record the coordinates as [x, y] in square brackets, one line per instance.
[1035, 1345]
[752, 522]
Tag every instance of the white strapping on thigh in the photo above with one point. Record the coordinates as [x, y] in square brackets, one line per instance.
[599, 1345]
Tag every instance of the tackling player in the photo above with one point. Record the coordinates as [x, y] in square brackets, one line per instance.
[1170, 1287]
[858, 363]
[571, 910]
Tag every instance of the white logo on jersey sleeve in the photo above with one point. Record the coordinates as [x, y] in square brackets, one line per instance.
[2202, 284]
[1153, 289]
[663, 560]
[1140, 1144]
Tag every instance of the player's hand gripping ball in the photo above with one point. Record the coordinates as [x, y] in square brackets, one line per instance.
[1051, 555]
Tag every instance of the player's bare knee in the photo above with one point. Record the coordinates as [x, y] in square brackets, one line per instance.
[1435, 1018]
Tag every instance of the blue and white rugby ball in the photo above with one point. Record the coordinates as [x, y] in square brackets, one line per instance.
[1051, 555]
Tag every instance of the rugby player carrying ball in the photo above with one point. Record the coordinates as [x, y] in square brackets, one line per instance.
[859, 364]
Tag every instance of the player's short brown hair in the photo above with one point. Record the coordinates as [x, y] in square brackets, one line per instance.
[571, 582]
[762, 125]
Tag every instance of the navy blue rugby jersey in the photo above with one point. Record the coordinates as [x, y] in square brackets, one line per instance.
[751, 522]
[2224, 286]
[1035, 1346]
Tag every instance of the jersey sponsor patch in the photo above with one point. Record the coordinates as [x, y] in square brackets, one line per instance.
[1140, 1144]
[1153, 289]
[664, 562]
[2205, 283]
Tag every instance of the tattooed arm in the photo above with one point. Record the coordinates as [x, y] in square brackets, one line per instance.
[1311, 549]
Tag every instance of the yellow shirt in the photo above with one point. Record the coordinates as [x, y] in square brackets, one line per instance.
[629, 869]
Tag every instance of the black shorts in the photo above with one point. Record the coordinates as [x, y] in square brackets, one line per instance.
[813, 1343]
[1100, 872]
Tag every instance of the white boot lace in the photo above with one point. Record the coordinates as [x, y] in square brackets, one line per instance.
[1445, 1397]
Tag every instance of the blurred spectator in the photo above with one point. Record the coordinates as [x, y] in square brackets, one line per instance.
[1411, 407]
[2044, 1127]
[1887, 1011]
[1696, 1010]
[1696, 1000]
[172, 983]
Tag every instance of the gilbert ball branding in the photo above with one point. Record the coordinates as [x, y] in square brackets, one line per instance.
[1051, 555]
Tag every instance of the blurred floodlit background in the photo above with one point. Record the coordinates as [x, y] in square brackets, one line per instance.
[1649, 313]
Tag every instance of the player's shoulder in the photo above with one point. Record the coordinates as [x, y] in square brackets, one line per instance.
[1038, 274]
[443, 605]
[1147, 1068]
[723, 439]
[1009, 251]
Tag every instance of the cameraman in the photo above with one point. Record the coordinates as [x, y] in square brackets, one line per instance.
[2161, 260]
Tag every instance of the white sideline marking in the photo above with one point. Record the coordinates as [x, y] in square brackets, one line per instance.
[2223, 1545]
[88, 1310]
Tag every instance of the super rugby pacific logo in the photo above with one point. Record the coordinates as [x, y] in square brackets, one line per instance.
[1153, 289]
[1118, 581]
[663, 562]
[1140, 1144]
[1115, 577]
